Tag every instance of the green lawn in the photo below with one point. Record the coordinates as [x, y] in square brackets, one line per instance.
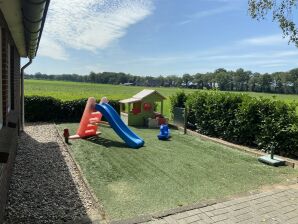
[76, 90]
[166, 174]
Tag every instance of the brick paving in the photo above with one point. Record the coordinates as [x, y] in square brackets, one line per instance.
[274, 207]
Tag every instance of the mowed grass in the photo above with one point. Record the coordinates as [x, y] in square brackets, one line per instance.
[76, 90]
[166, 174]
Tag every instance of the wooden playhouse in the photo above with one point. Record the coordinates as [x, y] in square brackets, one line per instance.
[139, 109]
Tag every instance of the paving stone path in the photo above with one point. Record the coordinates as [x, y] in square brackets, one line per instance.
[276, 206]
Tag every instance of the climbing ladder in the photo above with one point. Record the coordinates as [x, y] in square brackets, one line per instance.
[89, 121]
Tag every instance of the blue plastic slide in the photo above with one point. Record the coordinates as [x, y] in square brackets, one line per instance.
[130, 138]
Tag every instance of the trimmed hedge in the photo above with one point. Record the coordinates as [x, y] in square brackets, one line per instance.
[262, 123]
[39, 108]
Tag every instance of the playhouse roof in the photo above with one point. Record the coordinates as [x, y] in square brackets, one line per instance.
[141, 95]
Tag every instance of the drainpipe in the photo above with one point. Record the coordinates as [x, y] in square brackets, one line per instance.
[22, 95]
[34, 16]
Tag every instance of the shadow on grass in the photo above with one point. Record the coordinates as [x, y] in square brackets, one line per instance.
[107, 142]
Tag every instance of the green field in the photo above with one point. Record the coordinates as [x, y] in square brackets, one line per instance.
[72, 90]
[166, 174]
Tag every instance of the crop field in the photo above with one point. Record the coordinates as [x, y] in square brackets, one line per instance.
[77, 90]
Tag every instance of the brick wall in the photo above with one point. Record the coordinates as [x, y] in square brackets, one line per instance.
[17, 85]
[5, 173]
[10, 118]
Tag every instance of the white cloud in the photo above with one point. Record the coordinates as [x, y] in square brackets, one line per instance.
[264, 40]
[90, 24]
[184, 22]
[273, 65]
[52, 49]
[211, 59]
[222, 6]
[212, 12]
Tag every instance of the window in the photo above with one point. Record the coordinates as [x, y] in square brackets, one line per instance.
[8, 79]
[11, 77]
[1, 87]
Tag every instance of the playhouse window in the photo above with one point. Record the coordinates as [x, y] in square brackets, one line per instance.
[136, 108]
[147, 106]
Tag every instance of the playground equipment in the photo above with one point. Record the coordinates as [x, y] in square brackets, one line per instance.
[130, 138]
[142, 112]
[92, 118]
[164, 132]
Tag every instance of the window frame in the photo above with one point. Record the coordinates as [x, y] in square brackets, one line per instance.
[12, 76]
[1, 83]
[8, 80]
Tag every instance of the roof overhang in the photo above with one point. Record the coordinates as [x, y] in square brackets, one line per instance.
[142, 95]
[25, 20]
[130, 100]
[147, 92]
[12, 12]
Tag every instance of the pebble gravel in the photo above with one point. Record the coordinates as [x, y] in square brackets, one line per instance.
[45, 185]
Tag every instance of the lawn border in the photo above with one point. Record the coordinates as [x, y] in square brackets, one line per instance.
[94, 198]
[160, 215]
[252, 151]
[205, 203]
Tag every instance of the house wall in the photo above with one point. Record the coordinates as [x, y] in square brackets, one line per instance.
[10, 102]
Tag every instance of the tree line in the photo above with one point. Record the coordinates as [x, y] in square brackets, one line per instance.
[222, 79]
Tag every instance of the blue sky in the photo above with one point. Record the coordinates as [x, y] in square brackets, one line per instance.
[159, 37]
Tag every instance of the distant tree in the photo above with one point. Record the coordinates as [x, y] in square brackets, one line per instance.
[266, 82]
[220, 70]
[224, 80]
[239, 80]
[186, 78]
[199, 79]
[277, 82]
[92, 76]
[282, 12]
[254, 84]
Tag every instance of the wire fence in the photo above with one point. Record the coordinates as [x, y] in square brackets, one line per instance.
[180, 117]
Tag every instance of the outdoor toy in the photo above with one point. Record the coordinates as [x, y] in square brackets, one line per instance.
[164, 132]
[92, 118]
[127, 135]
[88, 125]
[104, 100]
[66, 135]
[142, 112]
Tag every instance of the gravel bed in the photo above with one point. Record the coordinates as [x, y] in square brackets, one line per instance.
[45, 186]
